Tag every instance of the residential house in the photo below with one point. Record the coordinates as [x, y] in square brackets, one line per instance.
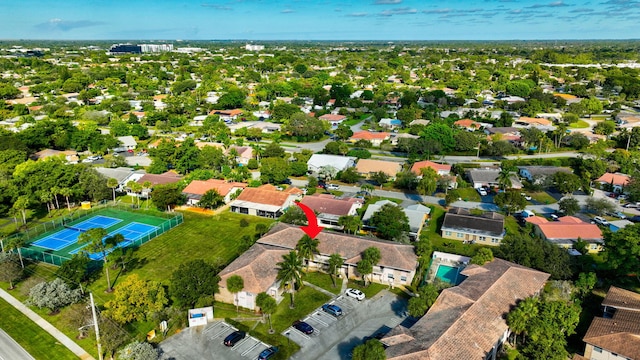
[510, 134]
[617, 225]
[258, 268]
[329, 164]
[489, 178]
[367, 167]
[194, 191]
[468, 321]
[421, 122]
[390, 123]
[616, 334]
[244, 154]
[533, 122]
[169, 177]
[333, 119]
[617, 181]
[128, 142]
[264, 201]
[417, 215]
[396, 137]
[227, 115]
[539, 174]
[329, 209]
[70, 156]
[467, 124]
[566, 231]
[485, 229]
[122, 174]
[375, 138]
[440, 169]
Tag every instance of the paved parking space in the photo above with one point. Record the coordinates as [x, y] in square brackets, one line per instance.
[207, 343]
[334, 338]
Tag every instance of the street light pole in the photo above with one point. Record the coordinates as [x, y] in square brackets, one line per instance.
[95, 323]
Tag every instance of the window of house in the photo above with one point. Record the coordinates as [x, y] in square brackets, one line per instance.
[494, 240]
[447, 233]
[390, 276]
[460, 235]
[597, 349]
[482, 238]
[403, 278]
[244, 210]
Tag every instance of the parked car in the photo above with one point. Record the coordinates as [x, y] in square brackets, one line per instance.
[482, 192]
[554, 217]
[268, 353]
[635, 219]
[87, 160]
[355, 293]
[527, 197]
[332, 187]
[286, 181]
[619, 215]
[600, 221]
[622, 197]
[234, 337]
[303, 327]
[332, 309]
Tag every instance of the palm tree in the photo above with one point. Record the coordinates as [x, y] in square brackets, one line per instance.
[268, 306]
[66, 192]
[367, 187]
[55, 191]
[137, 188]
[93, 237]
[113, 184]
[235, 284]
[290, 272]
[46, 198]
[22, 204]
[518, 318]
[16, 243]
[351, 223]
[131, 185]
[147, 185]
[335, 263]
[306, 248]
[504, 178]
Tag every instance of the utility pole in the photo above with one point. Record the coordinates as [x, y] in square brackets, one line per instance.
[629, 141]
[95, 324]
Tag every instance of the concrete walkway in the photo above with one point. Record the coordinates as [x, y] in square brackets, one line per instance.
[332, 295]
[44, 324]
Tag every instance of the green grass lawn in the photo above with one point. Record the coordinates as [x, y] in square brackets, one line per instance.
[306, 300]
[468, 194]
[30, 336]
[323, 280]
[580, 124]
[542, 197]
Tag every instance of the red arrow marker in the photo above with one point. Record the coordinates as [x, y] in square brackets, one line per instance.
[312, 229]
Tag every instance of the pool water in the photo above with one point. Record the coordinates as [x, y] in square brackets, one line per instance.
[447, 273]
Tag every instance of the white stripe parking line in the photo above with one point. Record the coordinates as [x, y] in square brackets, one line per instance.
[215, 326]
[239, 343]
[251, 348]
[318, 320]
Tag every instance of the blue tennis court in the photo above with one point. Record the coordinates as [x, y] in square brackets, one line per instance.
[66, 237]
[131, 232]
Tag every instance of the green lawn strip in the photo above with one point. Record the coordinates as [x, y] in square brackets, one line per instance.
[223, 310]
[352, 122]
[370, 290]
[468, 194]
[542, 197]
[580, 124]
[323, 280]
[454, 247]
[30, 336]
[511, 224]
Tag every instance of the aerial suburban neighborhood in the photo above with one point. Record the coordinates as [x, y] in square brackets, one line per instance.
[339, 200]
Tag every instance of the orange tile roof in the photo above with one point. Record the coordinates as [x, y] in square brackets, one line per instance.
[536, 220]
[534, 121]
[367, 166]
[566, 96]
[467, 123]
[232, 112]
[264, 196]
[569, 227]
[199, 187]
[615, 179]
[429, 164]
[332, 117]
[368, 135]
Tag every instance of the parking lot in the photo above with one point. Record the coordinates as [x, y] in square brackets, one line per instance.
[206, 343]
[334, 338]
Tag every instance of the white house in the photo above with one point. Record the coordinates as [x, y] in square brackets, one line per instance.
[128, 142]
[329, 163]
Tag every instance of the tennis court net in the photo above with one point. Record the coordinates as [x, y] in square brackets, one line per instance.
[75, 229]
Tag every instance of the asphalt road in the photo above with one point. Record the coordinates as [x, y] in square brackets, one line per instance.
[11, 350]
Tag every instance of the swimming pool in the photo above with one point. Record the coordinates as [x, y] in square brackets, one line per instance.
[448, 273]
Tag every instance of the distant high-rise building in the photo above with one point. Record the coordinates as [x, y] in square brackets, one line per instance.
[155, 48]
[125, 49]
[253, 47]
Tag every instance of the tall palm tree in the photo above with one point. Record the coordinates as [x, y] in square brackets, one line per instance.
[335, 263]
[22, 204]
[351, 223]
[306, 248]
[46, 198]
[66, 192]
[504, 178]
[147, 185]
[113, 184]
[290, 272]
[367, 187]
[131, 185]
[235, 284]
[95, 244]
[518, 318]
[55, 191]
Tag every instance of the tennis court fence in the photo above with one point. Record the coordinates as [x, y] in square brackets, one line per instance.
[172, 220]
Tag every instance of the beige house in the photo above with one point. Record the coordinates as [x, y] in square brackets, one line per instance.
[486, 229]
[265, 201]
[467, 321]
[329, 209]
[367, 167]
[70, 156]
[197, 188]
[615, 335]
[258, 268]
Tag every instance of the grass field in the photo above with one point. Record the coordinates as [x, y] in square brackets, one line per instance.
[323, 280]
[36, 341]
[468, 194]
[580, 124]
[542, 197]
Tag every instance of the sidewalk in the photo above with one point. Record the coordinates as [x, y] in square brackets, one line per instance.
[44, 324]
[332, 295]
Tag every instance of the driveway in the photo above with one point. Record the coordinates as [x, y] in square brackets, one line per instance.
[205, 342]
[335, 338]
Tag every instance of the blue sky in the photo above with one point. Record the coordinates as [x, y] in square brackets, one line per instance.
[319, 20]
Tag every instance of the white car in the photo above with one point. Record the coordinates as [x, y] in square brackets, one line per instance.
[355, 293]
[526, 197]
[482, 192]
[332, 187]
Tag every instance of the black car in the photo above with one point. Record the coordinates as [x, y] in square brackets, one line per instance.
[635, 219]
[234, 337]
[286, 181]
[303, 327]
